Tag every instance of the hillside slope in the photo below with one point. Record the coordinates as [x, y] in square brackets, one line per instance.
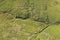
[28, 20]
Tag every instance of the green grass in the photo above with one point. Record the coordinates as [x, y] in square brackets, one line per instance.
[19, 29]
[51, 33]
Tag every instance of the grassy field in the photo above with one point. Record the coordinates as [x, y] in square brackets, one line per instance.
[13, 28]
[19, 29]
